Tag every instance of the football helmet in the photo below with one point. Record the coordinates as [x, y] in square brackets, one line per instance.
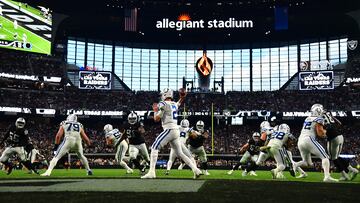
[108, 128]
[184, 123]
[317, 110]
[284, 128]
[265, 124]
[255, 135]
[71, 117]
[20, 122]
[167, 93]
[132, 118]
[200, 125]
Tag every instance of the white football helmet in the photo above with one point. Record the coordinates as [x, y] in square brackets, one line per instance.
[20, 122]
[184, 123]
[132, 118]
[317, 110]
[71, 117]
[200, 125]
[167, 93]
[255, 135]
[265, 124]
[284, 128]
[108, 128]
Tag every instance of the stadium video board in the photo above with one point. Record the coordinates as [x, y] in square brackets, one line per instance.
[94, 80]
[25, 28]
[320, 80]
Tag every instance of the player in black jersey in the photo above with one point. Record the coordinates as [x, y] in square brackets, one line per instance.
[134, 131]
[252, 150]
[16, 139]
[196, 142]
[335, 141]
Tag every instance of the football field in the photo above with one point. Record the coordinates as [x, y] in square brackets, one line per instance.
[114, 184]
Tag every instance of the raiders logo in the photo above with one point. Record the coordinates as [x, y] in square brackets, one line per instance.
[352, 44]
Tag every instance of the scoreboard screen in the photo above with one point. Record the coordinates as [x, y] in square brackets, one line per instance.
[24, 27]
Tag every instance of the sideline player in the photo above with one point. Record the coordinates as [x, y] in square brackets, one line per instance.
[314, 127]
[166, 111]
[134, 130]
[16, 138]
[73, 132]
[184, 135]
[335, 141]
[116, 139]
[252, 150]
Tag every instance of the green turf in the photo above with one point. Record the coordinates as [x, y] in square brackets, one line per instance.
[183, 174]
[39, 44]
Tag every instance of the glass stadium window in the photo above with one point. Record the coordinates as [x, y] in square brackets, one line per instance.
[71, 52]
[108, 49]
[90, 54]
[119, 65]
[80, 54]
[322, 51]
[343, 50]
[304, 52]
[99, 57]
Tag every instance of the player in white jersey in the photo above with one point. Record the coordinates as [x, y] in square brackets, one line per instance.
[116, 139]
[314, 127]
[166, 111]
[73, 133]
[279, 138]
[184, 135]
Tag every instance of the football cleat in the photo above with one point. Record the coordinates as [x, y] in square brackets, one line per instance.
[181, 166]
[9, 170]
[230, 172]
[252, 173]
[292, 172]
[244, 173]
[330, 180]
[303, 175]
[45, 174]
[167, 172]
[353, 174]
[90, 173]
[206, 173]
[273, 174]
[129, 171]
[149, 175]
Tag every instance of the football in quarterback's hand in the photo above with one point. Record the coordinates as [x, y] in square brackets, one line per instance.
[182, 92]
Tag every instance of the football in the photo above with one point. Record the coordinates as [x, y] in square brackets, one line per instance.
[182, 92]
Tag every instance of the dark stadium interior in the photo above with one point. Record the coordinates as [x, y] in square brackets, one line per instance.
[256, 74]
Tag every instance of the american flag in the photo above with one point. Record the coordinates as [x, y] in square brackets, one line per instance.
[130, 19]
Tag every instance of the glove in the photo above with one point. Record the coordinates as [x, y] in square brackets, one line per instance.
[56, 146]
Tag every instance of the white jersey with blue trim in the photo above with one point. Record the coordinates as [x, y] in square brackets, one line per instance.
[184, 134]
[168, 113]
[114, 135]
[71, 129]
[278, 139]
[308, 129]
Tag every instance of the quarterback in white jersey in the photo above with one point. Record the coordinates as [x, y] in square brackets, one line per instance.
[314, 127]
[116, 139]
[73, 133]
[184, 135]
[166, 111]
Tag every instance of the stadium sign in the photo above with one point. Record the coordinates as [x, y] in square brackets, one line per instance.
[320, 80]
[94, 80]
[19, 77]
[307, 113]
[352, 80]
[352, 44]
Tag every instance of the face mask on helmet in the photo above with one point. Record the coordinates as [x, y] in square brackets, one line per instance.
[132, 118]
[108, 128]
[256, 136]
[200, 125]
[71, 117]
[167, 93]
[317, 110]
[20, 123]
[184, 123]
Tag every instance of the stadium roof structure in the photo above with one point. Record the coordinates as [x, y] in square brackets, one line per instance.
[306, 19]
